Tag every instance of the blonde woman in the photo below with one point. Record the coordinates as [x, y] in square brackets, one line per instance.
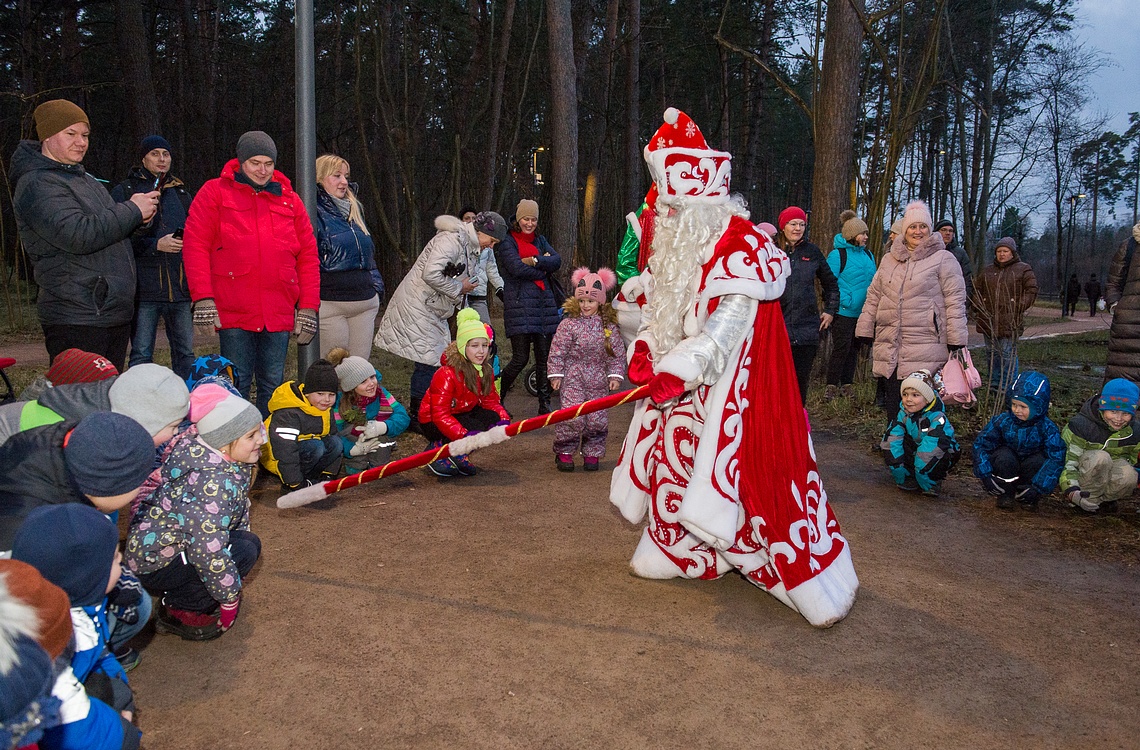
[350, 284]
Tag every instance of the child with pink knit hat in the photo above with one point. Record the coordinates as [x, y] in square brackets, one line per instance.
[587, 361]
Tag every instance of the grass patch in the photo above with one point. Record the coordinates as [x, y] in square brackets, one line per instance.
[1073, 363]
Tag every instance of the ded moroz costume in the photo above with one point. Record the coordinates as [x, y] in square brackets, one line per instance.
[720, 456]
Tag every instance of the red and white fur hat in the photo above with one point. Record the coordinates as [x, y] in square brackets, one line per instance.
[683, 165]
[590, 285]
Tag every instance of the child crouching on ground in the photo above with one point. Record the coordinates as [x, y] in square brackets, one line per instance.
[587, 361]
[368, 417]
[77, 548]
[919, 444]
[1100, 464]
[462, 398]
[190, 542]
[1019, 455]
[302, 448]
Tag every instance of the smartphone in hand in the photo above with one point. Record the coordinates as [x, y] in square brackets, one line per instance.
[160, 180]
[177, 234]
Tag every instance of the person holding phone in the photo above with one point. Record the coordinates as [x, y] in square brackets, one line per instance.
[161, 290]
[77, 238]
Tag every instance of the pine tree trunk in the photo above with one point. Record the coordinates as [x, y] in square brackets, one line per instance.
[835, 119]
[563, 129]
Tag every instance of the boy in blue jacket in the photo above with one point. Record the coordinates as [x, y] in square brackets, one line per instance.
[77, 548]
[1019, 455]
[919, 444]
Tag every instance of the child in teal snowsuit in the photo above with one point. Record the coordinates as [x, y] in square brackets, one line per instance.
[919, 445]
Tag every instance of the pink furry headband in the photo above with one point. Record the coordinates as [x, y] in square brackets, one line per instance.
[589, 285]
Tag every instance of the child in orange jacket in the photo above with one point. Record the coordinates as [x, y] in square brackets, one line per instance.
[462, 399]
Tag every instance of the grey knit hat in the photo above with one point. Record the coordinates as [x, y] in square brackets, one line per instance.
[256, 143]
[150, 394]
[353, 371]
[228, 420]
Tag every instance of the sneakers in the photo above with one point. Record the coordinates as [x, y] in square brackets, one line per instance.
[464, 466]
[189, 626]
[564, 462]
[909, 485]
[590, 463]
[847, 391]
[830, 393]
[127, 657]
[443, 467]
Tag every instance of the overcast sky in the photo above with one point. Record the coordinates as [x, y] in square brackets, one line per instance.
[1113, 27]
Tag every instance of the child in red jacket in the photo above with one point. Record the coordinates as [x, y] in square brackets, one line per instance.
[462, 398]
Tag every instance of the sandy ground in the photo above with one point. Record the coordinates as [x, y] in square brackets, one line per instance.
[499, 612]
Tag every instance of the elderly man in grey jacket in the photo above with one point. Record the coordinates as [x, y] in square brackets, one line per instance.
[415, 323]
[76, 236]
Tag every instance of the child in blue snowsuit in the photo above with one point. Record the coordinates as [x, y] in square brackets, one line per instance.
[919, 445]
[1019, 455]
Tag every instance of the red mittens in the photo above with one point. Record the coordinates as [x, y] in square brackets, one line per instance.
[640, 365]
[665, 387]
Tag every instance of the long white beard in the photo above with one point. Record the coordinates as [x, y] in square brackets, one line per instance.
[679, 244]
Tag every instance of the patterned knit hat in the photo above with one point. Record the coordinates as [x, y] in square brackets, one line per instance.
[1119, 394]
[78, 366]
[682, 164]
[921, 381]
[468, 326]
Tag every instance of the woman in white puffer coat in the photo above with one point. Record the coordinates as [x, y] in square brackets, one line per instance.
[916, 306]
[415, 322]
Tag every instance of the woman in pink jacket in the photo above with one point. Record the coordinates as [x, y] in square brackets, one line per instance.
[916, 306]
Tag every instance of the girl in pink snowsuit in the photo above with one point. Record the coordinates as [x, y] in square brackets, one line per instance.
[587, 361]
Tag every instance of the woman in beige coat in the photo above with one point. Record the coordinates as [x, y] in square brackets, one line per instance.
[916, 306]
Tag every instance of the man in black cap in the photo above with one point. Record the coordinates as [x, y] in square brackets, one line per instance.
[162, 291]
[251, 261]
[76, 237]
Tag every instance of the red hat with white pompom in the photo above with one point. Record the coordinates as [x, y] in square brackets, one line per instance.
[683, 165]
[589, 285]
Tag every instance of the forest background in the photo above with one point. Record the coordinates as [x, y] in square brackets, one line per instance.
[977, 107]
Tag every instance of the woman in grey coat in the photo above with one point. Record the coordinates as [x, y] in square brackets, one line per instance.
[415, 324]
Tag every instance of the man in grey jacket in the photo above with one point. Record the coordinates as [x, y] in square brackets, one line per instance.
[76, 236]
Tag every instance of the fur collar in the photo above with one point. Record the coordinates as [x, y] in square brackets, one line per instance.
[448, 223]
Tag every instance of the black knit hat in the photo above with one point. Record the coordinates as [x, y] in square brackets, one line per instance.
[151, 142]
[321, 376]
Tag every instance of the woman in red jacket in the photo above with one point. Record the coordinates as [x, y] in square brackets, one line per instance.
[462, 398]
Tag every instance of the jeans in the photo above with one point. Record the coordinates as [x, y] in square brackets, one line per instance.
[1002, 358]
[318, 456]
[180, 586]
[179, 331]
[421, 381]
[121, 632]
[257, 355]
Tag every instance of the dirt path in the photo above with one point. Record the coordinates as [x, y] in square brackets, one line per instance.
[499, 612]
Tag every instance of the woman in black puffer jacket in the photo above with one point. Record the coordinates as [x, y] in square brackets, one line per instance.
[530, 311]
[350, 284]
[801, 310]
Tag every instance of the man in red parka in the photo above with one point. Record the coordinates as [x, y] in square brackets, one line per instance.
[251, 263]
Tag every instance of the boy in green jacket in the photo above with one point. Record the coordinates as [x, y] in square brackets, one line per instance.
[1100, 463]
